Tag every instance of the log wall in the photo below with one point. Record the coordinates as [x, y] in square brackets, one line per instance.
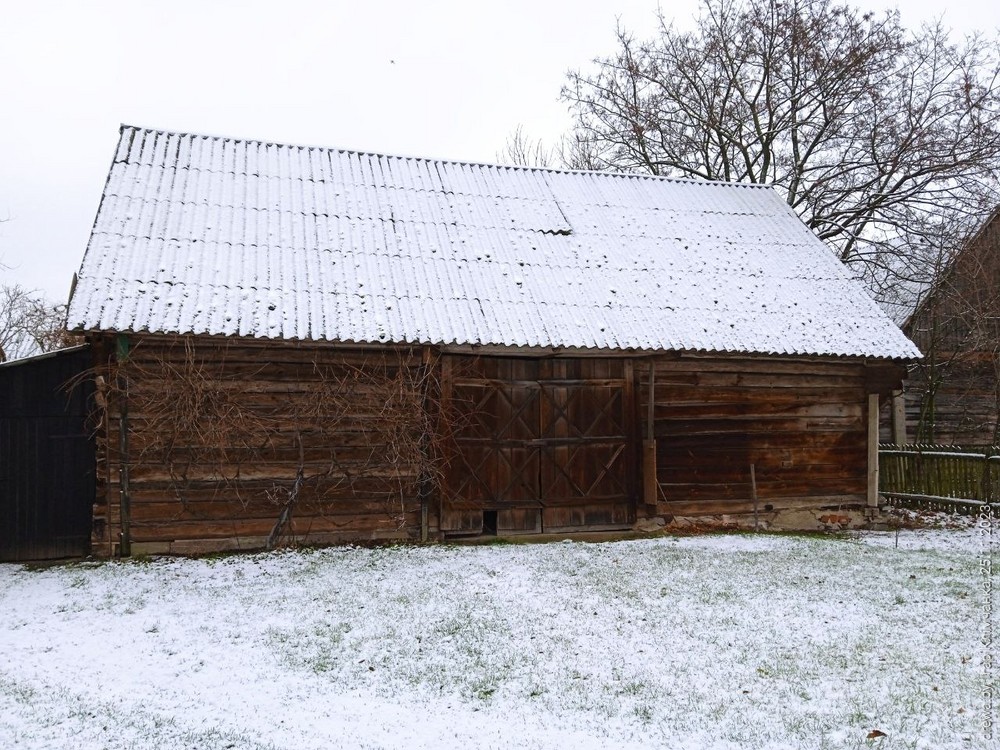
[197, 486]
[952, 402]
[802, 425]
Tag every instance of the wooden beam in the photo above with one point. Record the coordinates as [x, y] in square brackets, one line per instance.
[122, 348]
[898, 418]
[632, 422]
[426, 483]
[649, 478]
[872, 450]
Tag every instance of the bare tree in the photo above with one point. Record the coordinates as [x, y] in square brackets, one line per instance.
[522, 150]
[870, 132]
[30, 325]
[571, 152]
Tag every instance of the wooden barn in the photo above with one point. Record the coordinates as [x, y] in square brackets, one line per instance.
[952, 397]
[308, 345]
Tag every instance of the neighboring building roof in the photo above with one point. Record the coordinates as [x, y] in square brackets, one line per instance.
[209, 235]
[920, 276]
[900, 278]
[901, 300]
[44, 355]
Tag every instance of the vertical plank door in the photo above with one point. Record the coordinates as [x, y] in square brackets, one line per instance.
[546, 445]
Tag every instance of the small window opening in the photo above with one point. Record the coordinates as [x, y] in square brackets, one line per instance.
[489, 523]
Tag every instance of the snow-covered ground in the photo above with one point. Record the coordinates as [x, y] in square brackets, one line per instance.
[730, 641]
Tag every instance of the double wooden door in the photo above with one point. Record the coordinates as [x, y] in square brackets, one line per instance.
[538, 445]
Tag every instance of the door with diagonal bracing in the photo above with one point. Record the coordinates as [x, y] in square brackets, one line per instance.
[538, 445]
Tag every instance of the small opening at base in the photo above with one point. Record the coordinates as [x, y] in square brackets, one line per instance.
[490, 522]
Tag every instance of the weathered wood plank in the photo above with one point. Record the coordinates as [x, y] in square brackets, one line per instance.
[362, 525]
[872, 493]
[709, 506]
[801, 424]
[181, 479]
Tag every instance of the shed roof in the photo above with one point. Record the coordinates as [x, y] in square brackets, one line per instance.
[209, 235]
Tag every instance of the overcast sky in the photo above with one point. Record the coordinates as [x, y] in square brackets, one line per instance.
[437, 78]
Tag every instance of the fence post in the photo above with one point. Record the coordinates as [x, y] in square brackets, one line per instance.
[988, 491]
[941, 476]
[125, 497]
[898, 418]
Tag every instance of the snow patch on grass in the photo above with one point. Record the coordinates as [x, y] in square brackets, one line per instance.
[722, 641]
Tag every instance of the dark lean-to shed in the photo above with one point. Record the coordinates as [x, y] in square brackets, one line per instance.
[309, 345]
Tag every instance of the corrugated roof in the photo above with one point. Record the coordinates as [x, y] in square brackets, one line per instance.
[208, 235]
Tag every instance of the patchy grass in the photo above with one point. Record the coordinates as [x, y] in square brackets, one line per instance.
[722, 641]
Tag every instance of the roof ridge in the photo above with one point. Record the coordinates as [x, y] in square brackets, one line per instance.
[464, 162]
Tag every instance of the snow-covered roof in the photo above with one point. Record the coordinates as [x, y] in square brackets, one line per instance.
[209, 235]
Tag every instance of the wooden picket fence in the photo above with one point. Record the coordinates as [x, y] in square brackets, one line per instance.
[945, 477]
